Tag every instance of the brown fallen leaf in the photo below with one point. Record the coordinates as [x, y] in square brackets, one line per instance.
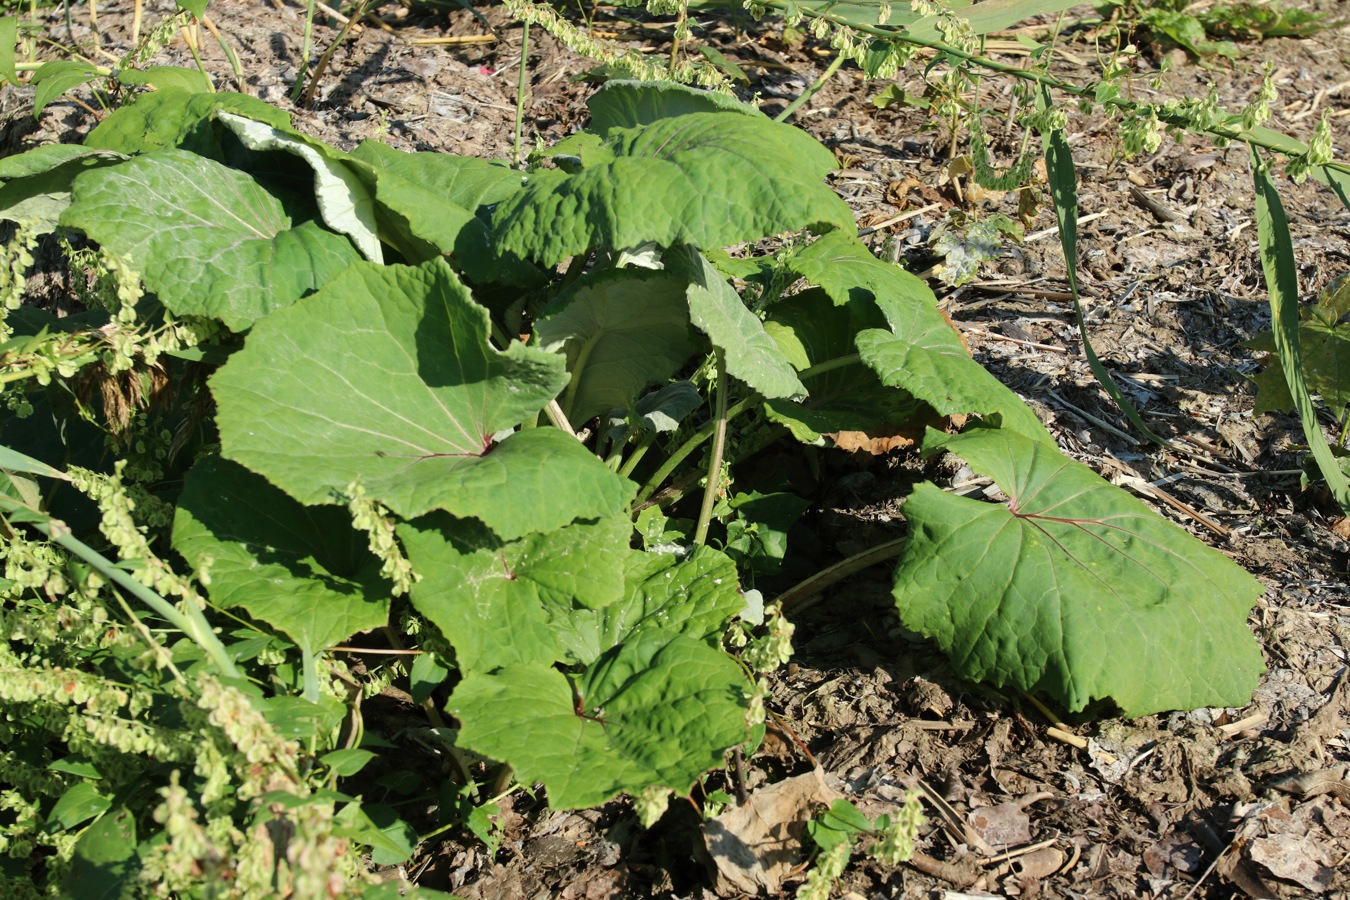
[752, 848]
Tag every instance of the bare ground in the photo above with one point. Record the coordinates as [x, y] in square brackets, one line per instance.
[1211, 803]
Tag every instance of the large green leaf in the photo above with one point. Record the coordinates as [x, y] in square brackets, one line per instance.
[1073, 587]
[657, 711]
[386, 376]
[621, 331]
[37, 183]
[303, 570]
[344, 202]
[696, 597]
[622, 103]
[494, 599]
[105, 864]
[206, 238]
[705, 179]
[164, 119]
[432, 199]
[810, 330]
[715, 307]
[920, 352]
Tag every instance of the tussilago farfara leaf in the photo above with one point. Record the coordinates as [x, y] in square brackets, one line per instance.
[621, 331]
[164, 119]
[704, 179]
[428, 204]
[623, 104]
[656, 711]
[494, 599]
[810, 330]
[920, 353]
[207, 239]
[344, 202]
[303, 570]
[387, 377]
[37, 183]
[1073, 587]
[720, 313]
[696, 597]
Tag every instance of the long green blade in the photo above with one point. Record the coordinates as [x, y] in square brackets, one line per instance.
[1277, 262]
[1064, 190]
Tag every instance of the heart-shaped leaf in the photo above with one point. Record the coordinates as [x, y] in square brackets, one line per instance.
[206, 238]
[704, 179]
[1073, 587]
[654, 712]
[303, 570]
[494, 599]
[386, 376]
[621, 332]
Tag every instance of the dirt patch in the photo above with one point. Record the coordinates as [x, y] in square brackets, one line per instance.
[1210, 803]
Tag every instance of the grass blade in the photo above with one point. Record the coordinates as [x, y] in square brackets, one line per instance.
[1064, 191]
[1277, 262]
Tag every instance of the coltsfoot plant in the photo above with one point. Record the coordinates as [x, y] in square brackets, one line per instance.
[511, 412]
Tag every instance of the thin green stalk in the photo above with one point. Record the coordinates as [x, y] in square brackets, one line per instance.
[829, 365]
[811, 91]
[801, 595]
[715, 462]
[322, 65]
[192, 623]
[689, 446]
[521, 82]
[644, 444]
[1260, 137]
[306, 48]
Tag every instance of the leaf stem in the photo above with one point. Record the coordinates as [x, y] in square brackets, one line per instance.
[693, 443]
[644, 444]
[191, 621]
[811, 91]
[521, 82]
[718, 449]
[800, 596]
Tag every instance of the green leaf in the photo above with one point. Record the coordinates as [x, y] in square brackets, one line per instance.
[344, 202]
[810, 330]
[432, 199]
[52, 79]
[196, 7]
[9, 37]
[168, 78]
[390, 839]
[716, 308]
[166, 119]
[1073, 587]
[1064, 191]
[923, 355]
[386, 376]
[303, 570]
[655, 712]
[622, 103]
[705, 179]
[37, 183]
[80, 803]
[425, 676]
[846, 270]
[696, 597]
[493, 599]
[621, 331]
[105, 864]
[347, 762]
[206, 238]
[1281, 274]
[759, 533]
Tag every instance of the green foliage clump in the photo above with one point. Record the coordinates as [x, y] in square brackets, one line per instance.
[333, 422]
